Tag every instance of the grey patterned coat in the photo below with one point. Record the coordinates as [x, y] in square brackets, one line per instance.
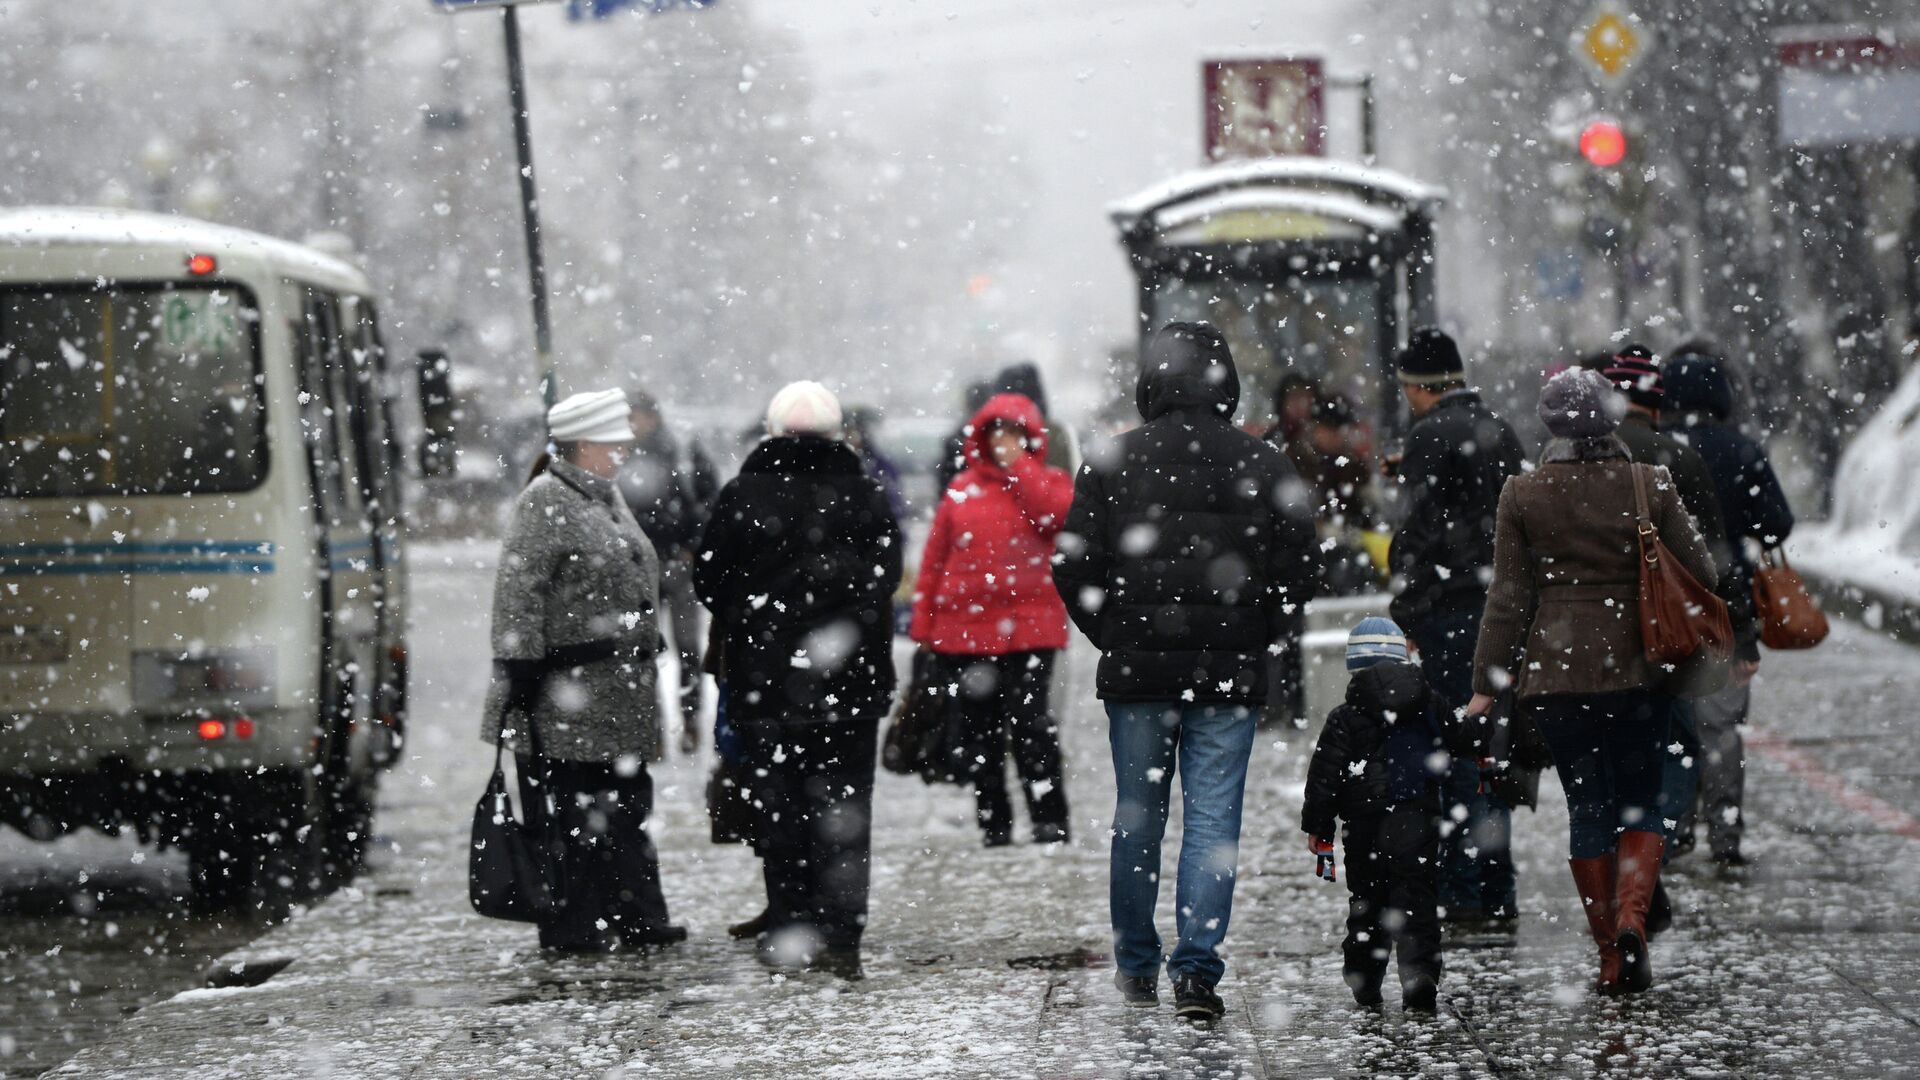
[575, 568]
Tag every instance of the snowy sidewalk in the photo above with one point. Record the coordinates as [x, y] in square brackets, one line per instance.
[993, 963]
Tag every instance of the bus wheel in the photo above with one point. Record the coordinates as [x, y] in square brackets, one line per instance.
[284, 864]
[349, 827]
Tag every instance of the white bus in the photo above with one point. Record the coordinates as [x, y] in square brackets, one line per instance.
[202, 597]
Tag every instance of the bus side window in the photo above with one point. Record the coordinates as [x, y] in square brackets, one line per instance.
[321, 413]
[363, 419]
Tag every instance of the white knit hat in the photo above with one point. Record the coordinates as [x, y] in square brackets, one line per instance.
[598, 416]
[804, 408]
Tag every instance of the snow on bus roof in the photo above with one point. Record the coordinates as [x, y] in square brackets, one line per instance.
[81, 226]
[1304, 171]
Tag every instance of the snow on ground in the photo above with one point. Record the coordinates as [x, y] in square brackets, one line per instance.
[993, 963]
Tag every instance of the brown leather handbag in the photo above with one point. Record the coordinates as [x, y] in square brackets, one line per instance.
[1789, 617]
[1682, 622]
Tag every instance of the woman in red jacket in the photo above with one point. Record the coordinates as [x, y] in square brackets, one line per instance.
[985, 605]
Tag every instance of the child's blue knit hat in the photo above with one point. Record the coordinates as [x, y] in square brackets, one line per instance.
[1376, 640]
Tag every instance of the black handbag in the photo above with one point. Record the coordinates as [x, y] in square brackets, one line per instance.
[509, 875]
[1519, 752]
[917, 725]
[729, 812]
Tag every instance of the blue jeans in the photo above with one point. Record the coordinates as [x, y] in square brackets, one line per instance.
[1680, 776]
[1210, 745]
[1476, 862]
[1609, 750]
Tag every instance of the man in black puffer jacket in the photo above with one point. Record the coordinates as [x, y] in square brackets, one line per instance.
[1188, 544]
[1699, 410]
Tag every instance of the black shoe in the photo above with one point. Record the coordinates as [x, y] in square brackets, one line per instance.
[1420, 997]
[1138, 991]
[841, 960]
[1368, 997]
[653, 938]
[998, 839]
[752, 928]
[1195, 1002]
[1659, 912]
[1050, 834]
[1729, 859]
[1464, 916]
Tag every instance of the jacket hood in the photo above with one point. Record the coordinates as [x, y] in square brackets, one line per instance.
[1187, 366]
[1006, 409]
[1698, 383]
[1389, 688]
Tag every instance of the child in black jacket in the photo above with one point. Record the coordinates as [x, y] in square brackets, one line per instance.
[1378, 767]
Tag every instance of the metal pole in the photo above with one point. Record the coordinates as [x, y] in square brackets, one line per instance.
[530, 208]
[1368, 141]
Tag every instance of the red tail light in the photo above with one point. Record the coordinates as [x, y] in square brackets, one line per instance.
[243, 728]
[201, 265]
[213, 729]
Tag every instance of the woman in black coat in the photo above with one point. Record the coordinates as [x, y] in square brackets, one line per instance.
[799, 565]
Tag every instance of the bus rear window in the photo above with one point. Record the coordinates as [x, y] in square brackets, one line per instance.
[130, 390]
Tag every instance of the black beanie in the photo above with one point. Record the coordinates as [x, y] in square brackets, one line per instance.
[1430, 358]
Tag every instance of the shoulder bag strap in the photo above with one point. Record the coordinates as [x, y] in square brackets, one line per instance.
[1643, 518]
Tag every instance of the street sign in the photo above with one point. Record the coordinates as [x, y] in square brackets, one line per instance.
[1264, 108]
[1610, 42]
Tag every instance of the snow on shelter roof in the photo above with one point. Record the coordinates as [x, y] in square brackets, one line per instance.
[1296, 172]
[83, 226]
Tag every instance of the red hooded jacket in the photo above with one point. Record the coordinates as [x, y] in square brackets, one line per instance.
[986, 577]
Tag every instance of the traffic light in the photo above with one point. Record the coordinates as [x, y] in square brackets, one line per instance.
[1603, 143]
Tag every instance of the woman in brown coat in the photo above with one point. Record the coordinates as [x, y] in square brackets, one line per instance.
[1562, 628]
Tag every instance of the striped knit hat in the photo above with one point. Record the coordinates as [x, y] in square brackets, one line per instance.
[1376, 640]
[1635, 371]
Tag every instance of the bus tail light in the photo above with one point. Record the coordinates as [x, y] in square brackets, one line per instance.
[202, 265]
[211, 729]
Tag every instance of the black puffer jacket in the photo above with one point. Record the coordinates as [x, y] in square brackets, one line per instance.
[1188, 539]
[1752, 504]
[1649, 446]
[1458, 458]
[798, 565]
[1378, 750]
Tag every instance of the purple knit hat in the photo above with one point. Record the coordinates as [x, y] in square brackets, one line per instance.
[1580, 404]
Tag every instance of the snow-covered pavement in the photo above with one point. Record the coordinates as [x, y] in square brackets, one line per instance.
[993, 963]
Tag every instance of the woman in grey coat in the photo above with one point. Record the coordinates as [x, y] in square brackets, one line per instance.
[574, 638]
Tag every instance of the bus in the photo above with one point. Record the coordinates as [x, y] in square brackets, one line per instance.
[202, 595]
[1308, 266]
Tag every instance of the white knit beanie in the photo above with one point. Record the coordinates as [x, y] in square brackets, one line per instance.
[598, 416]
[804, 408]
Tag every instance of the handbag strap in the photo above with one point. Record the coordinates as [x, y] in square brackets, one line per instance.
[1643, 517]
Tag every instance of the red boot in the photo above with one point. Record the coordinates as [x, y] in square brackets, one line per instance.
[1637, 872]
[1594, 880]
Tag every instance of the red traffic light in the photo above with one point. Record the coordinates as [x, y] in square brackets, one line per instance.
[1603, 143]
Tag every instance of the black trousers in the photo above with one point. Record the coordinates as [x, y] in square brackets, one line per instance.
[1393, 886]
[609, 872]
[1001, 698]
[813, 785]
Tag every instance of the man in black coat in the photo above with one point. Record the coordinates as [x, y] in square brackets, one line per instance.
[1699, 411]
[798, 565]
[1187, 545]
[1458, 457]
[670, 497]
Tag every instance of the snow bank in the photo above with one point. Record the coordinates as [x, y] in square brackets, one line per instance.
[1873, 539]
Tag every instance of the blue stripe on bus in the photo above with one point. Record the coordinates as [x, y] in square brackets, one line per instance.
[234, 566]
[236, 547]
